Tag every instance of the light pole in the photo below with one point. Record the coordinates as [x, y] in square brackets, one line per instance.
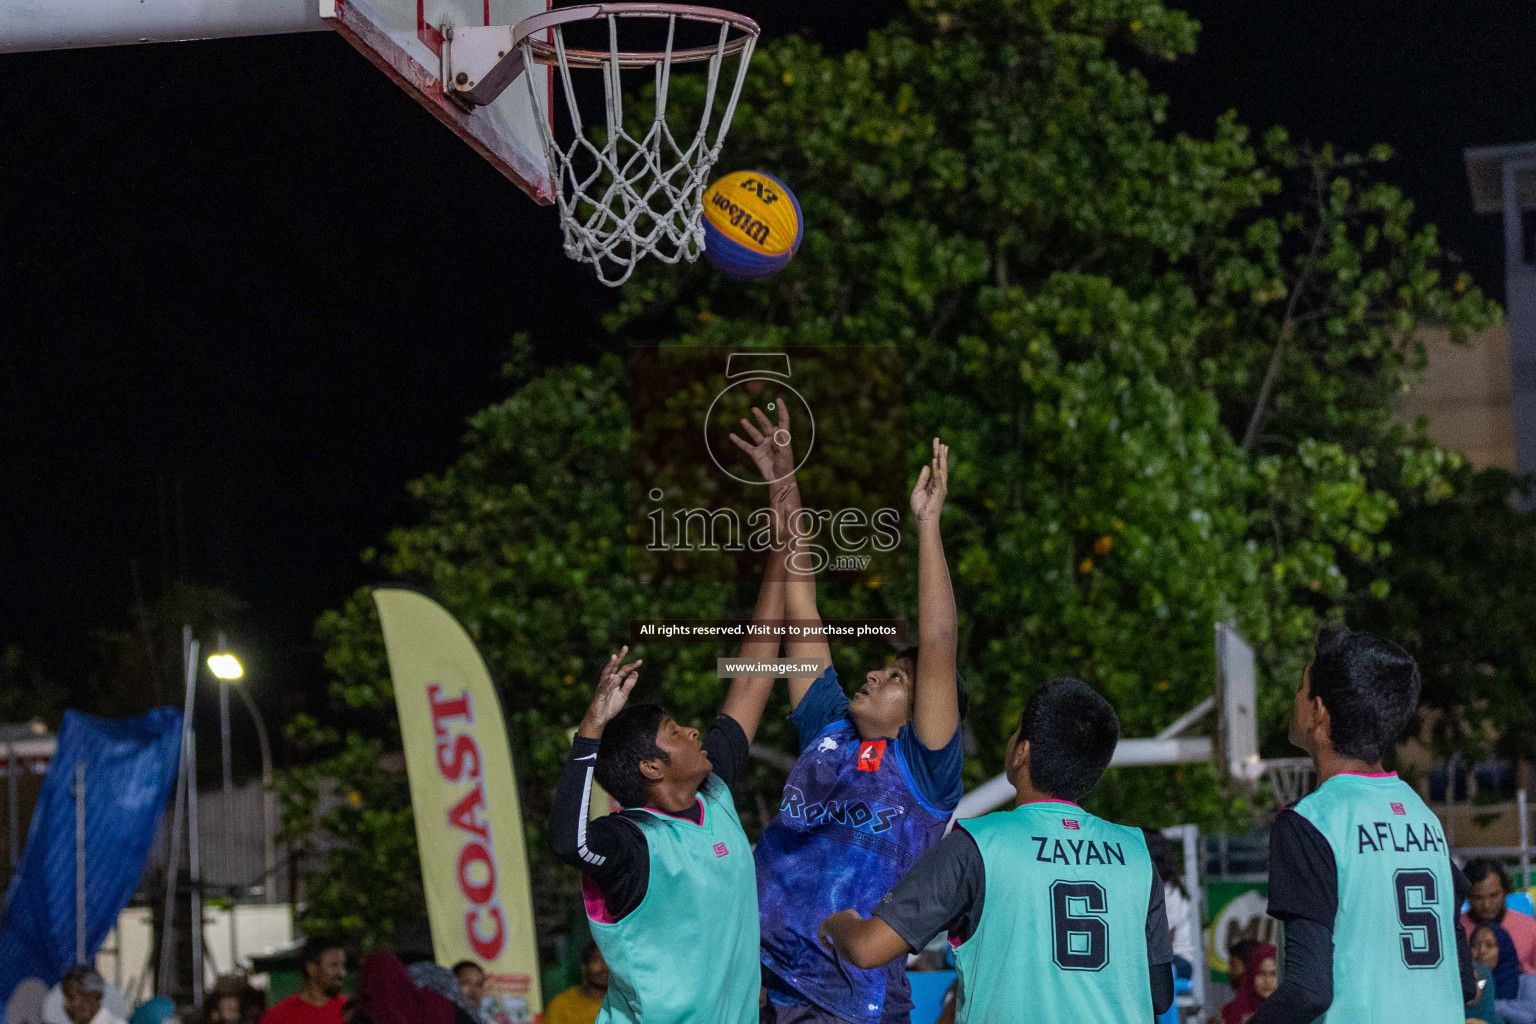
[227, 669]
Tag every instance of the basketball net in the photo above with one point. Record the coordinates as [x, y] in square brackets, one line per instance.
[620, 198]
[1290, 778]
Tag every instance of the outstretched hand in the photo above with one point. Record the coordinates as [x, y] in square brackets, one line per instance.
[614, 686]
[769, 446]
[932, 485]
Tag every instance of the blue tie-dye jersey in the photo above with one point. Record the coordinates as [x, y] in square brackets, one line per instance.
[856, 814]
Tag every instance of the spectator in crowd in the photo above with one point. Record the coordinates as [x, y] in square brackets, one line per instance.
[1237, 962]
[1486, 903]
[319, 1001]
[387, 995]
[226, 1003]
[83, 989]
[1261, 976]
[471, 978]
[429, 975]
[112, 1000]
[1514, 992]
[1176, 903]
[159, 1010]
[580, 1003]
[1485, 957]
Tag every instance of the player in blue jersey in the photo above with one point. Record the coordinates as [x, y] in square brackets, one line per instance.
[1056, 915]
[875, 783]
[1359, 871]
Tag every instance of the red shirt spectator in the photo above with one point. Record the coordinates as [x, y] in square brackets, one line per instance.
[295, 1010]
[320, 1000]
[1489, 887]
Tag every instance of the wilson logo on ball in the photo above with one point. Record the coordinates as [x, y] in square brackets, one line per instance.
[752, 225]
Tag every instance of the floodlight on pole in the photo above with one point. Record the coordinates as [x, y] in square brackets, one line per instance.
[225, 666]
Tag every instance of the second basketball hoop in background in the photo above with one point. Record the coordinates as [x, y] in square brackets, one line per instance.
[752, 225]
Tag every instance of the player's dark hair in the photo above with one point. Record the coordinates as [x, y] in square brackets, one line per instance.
[1072, 732]
[315, 947]
[627, 740]
[587, 953]
[464, 965]
[1161, 851]
[1369, 686]
[962, 692]
[1481, 868]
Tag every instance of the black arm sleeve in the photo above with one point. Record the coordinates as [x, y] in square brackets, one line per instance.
[1162, 989]
[1306, 991]
[942, 891]
[611, 850]
[1303, 876]
[1463, 889]
[1159, 948]
[727, 747]
[1304, 893]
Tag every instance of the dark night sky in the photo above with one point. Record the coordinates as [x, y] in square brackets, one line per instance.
[258, 266]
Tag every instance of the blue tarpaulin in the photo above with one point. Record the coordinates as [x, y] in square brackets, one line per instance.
[130, 766]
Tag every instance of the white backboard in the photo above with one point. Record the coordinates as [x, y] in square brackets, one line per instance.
[404, 39]
[1237, 708]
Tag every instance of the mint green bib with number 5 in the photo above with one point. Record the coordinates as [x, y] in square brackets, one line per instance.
[1394, 938]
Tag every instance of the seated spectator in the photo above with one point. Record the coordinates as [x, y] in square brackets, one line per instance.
[580, 1004]
[1261, 976]
[83, 989]
[1489, 888]
[1485, 957]
[1514, 991]
[319, 1000]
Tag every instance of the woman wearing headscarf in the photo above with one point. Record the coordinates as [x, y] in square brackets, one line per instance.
[1261, 976]
[1514, 992]
[439, 979]
[387, 995]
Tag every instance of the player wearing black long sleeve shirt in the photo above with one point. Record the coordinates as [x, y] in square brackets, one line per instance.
[611, 850]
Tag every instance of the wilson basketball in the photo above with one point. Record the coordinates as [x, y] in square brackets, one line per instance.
[752, 225]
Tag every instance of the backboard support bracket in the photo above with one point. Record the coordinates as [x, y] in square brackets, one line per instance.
[356, 23]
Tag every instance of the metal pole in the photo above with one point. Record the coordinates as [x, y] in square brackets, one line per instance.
[1525, 839]
[194, 862]
[79, 862]
[269, 845]
[229, 807]
[173, 859]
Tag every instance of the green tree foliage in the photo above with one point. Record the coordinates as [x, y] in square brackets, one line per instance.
[1165, 365]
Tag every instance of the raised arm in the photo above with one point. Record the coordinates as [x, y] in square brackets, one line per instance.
[772, 448]
[748, 695]
[936, 707]
[602, 849]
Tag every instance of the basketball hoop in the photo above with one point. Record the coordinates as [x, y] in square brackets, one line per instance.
[620, 198]
[1290, 778]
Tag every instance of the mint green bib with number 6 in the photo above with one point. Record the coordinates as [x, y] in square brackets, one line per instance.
[1063, 929]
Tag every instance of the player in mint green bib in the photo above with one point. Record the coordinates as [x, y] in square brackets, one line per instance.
[1056, 915]
[1359, 871]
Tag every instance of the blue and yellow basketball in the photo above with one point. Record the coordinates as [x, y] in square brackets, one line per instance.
[752, 225]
